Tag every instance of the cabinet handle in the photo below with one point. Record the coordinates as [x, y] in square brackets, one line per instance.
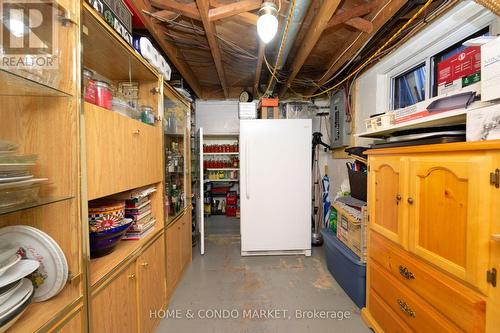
[405, 308]
[410, 201]
[131, 276]
[406, 273]
[495, 237]
[144, 264]
[398, 199]
[137, 131]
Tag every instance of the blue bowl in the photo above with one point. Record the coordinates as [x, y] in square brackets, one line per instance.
[104, 242]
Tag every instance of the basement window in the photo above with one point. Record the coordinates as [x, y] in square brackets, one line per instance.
[409, 87]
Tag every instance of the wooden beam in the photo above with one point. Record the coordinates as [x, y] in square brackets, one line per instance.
[166, 14]
[360, 24]
[377, 22]
[203, 7]
[180, 8]
[258, 70]
[170, 50]
[317, 27]
[345, 15]
[248, 18]
[233, 9]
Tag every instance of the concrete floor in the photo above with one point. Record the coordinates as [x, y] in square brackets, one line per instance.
[223, 280]
[222, 225]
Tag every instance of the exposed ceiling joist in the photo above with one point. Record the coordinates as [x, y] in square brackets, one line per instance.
[179, 8]
[158, 31]
[166, 14]
[345, 15]
[258, 70]
[210, 32]
[360, 24]
[313, 34]
[392, 7]
[233, 9]
[246, 17]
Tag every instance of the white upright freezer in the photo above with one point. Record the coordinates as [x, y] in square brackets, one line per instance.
[275, 183]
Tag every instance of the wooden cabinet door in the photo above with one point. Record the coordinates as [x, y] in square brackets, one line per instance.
[122, 153]
[493, 304]
[449, 204]
[151, 282]
[386, 190]
[173, 256]
[186, 239]
[114, 308]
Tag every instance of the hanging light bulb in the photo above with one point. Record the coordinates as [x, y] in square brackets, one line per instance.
[267, 24]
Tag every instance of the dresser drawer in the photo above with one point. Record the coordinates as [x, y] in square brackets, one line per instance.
[461, 305]
[385, 317]
[414, 311]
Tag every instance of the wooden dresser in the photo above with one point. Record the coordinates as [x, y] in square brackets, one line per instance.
[434, 239]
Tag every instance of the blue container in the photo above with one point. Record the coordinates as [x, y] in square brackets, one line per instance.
[346, 268]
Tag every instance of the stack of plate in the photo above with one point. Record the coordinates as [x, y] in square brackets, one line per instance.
[32, 268]
[17, 185]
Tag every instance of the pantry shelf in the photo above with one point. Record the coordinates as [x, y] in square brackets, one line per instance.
[222, 169]
[100, 268]
[38, 203]
[220, 154]
[14, 84]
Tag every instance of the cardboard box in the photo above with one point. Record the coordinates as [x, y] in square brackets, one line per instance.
[268, 102]
[461, 65]
[490, 68]
[351, 231]
[247, 110]
[483, 123]
[270, 113]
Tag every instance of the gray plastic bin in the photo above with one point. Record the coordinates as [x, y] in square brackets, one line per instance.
[346, 268]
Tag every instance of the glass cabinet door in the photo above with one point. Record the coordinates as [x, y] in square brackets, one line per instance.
[176, 145]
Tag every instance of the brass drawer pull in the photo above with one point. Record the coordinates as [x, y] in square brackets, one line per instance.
[410, 201]
[406, 273]
[144, 264]
[131, 276]
[405, 308]
[137, 131]
[398, 198]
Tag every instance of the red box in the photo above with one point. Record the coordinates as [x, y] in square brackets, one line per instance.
[231, 198]
[231, 210]
[460, 65]
[268, 102]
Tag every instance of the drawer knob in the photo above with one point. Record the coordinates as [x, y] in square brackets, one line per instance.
[137, 132]
[144, 264]
[410, 201]
[131, 276]
[398, 198]
[405, 308]
[406, 273]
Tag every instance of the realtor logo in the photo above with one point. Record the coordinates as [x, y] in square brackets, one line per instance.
[28, 34]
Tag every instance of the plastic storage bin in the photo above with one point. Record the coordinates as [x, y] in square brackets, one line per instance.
[346, 268]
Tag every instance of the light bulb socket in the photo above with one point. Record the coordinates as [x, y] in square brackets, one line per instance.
[269, 8]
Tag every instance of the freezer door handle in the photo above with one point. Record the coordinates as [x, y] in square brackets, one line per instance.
[247, 158]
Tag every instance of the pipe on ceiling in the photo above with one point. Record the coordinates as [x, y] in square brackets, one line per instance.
[299, 12]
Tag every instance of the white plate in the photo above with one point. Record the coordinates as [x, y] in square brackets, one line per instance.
[11, 262]
[5, 296]
[15, 166]
[21, 269]
[17, 298]
[14, 179]
[22, 183]
[5, 327]
[52, 274]
[7, 251]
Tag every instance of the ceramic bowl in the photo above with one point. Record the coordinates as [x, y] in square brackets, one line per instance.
[104, 242]
[100, 208]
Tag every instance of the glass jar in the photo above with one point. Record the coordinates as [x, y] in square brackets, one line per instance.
[103, 96]
[147, 115]
[88, 86]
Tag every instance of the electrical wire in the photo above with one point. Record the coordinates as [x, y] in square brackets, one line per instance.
[424, 7]
[282, 44]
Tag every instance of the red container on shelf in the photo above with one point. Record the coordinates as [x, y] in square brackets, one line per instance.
[103, 96]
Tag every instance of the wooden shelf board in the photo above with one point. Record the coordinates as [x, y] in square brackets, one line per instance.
[19, 84]
[440, 119]
[40, 202]
[105, 52]
[101, 267]
[40, 315]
